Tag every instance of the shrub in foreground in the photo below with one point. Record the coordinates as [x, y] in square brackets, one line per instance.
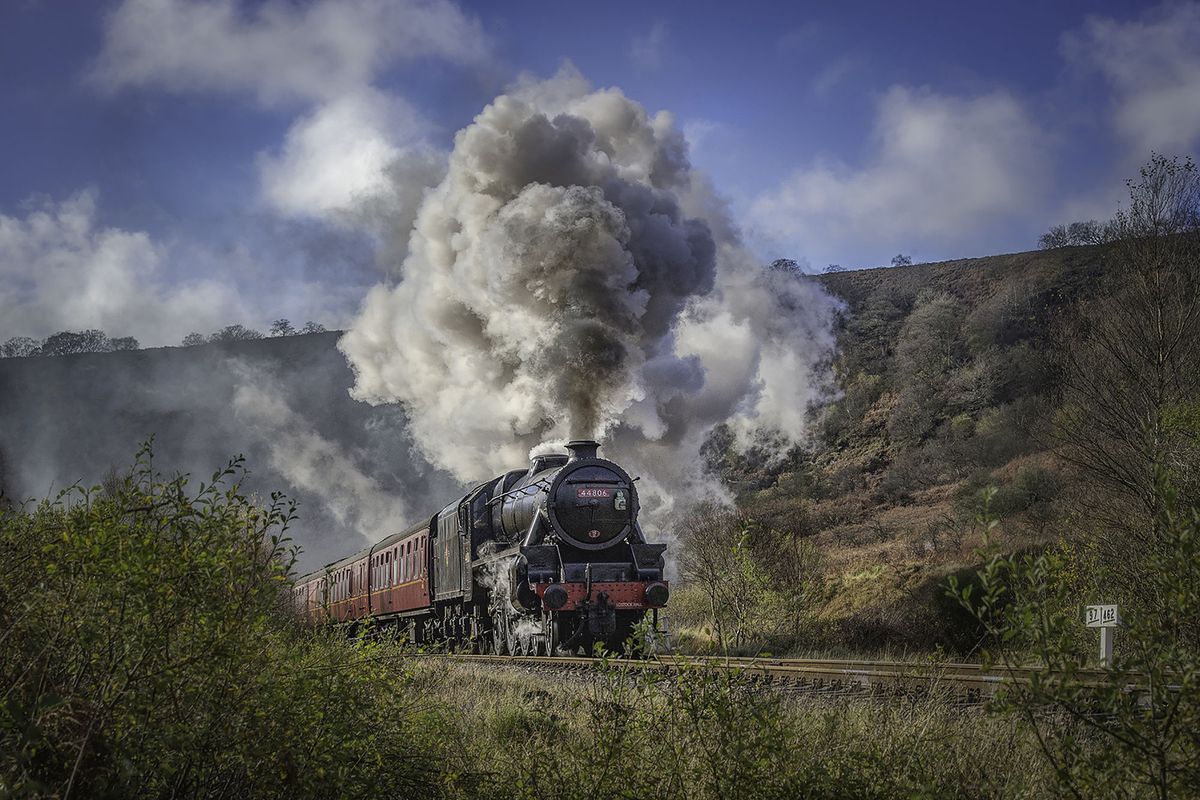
[144, 652]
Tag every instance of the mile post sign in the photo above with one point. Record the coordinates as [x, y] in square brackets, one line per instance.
[1105, 618]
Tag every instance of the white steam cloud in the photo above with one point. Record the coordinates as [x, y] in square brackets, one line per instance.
[316, 466]
[572, 276]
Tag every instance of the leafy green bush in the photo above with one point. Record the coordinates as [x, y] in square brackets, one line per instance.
[145, 652]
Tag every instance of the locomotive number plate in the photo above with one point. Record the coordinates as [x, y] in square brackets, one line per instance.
[593, 491]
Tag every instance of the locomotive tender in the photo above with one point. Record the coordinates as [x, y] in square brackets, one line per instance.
[539, 561]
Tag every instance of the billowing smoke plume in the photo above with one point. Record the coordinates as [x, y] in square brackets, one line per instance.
[573, 276]
[316, 466]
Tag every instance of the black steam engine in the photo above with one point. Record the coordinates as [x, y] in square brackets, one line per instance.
[539, 561]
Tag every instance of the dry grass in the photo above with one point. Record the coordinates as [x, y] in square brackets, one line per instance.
[620, 734]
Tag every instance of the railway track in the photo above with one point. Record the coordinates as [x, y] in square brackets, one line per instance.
[969, 682]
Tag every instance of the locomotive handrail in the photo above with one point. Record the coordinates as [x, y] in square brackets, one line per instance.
[543, 483]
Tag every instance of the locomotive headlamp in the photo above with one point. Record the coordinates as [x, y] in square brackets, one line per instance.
[556, 596]
[657, 594]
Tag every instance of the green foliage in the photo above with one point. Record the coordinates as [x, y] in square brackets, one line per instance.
[145, 651]
[1032, 491]
[1130, 729]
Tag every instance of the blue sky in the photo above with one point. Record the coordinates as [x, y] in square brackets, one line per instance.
[172, 166]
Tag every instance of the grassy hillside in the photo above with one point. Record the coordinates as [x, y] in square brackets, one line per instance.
[946, 377]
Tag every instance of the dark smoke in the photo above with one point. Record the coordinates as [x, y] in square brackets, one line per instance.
[573, 276]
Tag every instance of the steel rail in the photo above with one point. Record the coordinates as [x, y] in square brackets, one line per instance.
[833, 674]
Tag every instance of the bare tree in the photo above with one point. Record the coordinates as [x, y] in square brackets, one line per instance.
[282, 327]
[1089, 232]
[1131, 382]
[718, 557]
[1077, 233]
[235, 333]
[193, 339]
[901, 260]
[312, 327]
[1057, 236]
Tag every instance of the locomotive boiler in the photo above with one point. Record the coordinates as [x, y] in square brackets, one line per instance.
[542, 560]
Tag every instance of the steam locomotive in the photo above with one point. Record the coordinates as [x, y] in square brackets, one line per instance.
[546, 560]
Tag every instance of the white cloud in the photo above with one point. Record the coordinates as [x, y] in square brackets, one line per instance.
[60, 270]
[355, 142]
[277, 51]
[339, 153]
[646, 49]
[1153, 67]
[944, 169]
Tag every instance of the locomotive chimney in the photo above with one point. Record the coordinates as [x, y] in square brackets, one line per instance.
[583, 448]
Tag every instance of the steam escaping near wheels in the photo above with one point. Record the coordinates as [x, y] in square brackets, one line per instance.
[573, 276]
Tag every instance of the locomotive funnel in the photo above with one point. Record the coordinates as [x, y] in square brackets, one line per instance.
[583, 448]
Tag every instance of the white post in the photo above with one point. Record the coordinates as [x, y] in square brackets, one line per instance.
[1106, 618]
